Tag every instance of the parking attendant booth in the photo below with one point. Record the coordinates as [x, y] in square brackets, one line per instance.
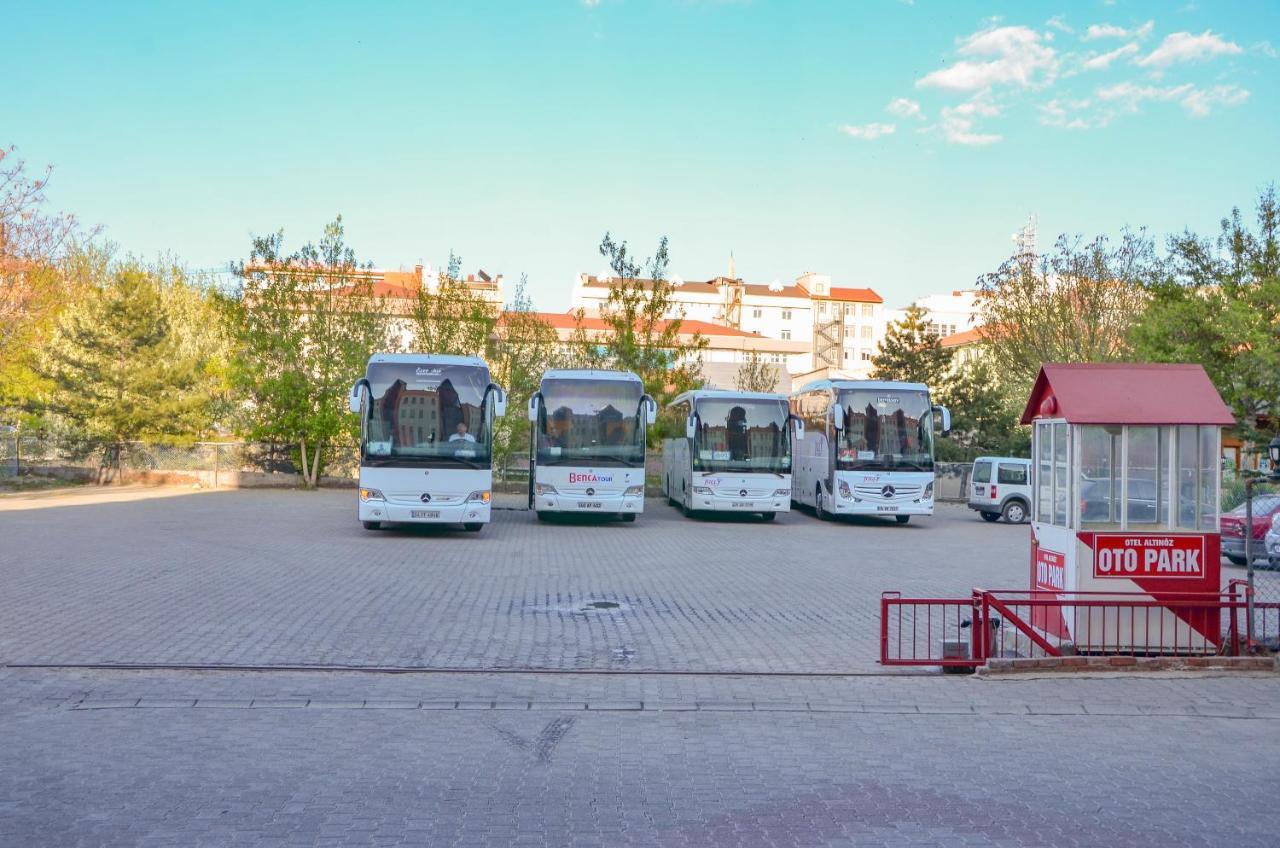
[1125, 488]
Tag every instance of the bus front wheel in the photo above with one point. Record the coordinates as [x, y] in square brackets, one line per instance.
[473, 526]
[768, 516]
[902, 519]
[818, 511]
[627, 516]
[372, 525]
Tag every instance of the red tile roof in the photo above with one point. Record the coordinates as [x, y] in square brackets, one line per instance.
[963, 337]
[860, 295]
[569, 321]
[1126, 393]
[758, 289]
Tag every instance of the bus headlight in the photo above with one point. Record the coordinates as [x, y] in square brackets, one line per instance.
[544, 489]
[633, 492]
[928, 491]
[781, 493]
[701, 490]
[845, 491]
[367, 495]
[478, 497]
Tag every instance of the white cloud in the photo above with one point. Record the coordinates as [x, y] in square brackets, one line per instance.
[904, 108]
[1185, 47]
[1200, 102]
[1059, 23]
[1019, 58]
[868, 132]
[1070, 114]
[1104, 60]
[1113, 31]
[959, 123]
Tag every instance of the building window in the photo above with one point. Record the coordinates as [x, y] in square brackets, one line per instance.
[867, 310]
[846, 356]
[822, 308]
[757, 313]
[866, 332]
[786, 315]
[866, 356]
[786, 335]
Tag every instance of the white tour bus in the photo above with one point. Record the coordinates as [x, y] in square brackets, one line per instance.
[426, 439]
[587, 443]
[866, 448]
[735, 454]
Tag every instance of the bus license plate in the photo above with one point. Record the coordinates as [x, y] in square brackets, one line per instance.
[886, 509]
[741, 504]
[424, 513]
[589, 504]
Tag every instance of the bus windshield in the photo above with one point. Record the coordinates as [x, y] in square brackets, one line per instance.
[590, 422]
[885, 430]
[742, 435]
[426, 414]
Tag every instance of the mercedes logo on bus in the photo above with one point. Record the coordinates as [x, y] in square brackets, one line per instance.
[888, 492]
[426, 497]
[590, 492]
[742, 493]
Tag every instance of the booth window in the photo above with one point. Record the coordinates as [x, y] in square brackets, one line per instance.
[1053, 473]
[1210, 465]
[1099, 475]
[1148, 477]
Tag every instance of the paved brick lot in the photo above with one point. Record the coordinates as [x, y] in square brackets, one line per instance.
[291, 578]
[472, 756]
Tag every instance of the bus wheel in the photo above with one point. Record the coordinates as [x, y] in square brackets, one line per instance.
[372, 525]
[818, 512]
[542, 516]
[473, 526]
[902, 519]
[671, 501]
[768, 516]
[627, 516]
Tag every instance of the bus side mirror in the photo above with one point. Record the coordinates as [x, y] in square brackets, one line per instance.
[945, 414]
[690, 427]
[533, 408]
[358, 391]
[837, 419]
[499, 402]
[799, 422]
[650, 409]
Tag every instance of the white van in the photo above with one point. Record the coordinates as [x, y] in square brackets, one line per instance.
[1000, 487]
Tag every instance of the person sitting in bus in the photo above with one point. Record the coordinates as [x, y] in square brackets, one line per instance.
[736, 433]
[460, 434]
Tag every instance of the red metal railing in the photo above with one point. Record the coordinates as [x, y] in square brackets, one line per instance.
[1020, 623]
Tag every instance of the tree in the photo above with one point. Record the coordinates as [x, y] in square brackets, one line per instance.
[1217, 302]
[453, 318]
[305, 325]
[756, 375]
[526, 346]
[911, 352]
[118, 368]
[984, 415]
[643, 322]
[1074, 305]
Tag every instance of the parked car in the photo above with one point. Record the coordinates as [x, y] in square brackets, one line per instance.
[1001, 488]
[1272, 541]
[1265, 508]
[1095, 501]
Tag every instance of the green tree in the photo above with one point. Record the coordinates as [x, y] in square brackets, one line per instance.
[1075, 304]
[526, 346]
[642, 326]
[118, 369]
[453, 318]
[756, 375]
[305, 325]
[911, 352]
[1216, 301]
[984, 415]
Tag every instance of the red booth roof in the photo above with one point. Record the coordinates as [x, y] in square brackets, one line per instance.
[1126, 393]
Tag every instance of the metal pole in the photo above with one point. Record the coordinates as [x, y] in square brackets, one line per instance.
[1248, 551]
[217, 452]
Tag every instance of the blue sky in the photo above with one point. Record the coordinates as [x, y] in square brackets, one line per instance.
[893, 145]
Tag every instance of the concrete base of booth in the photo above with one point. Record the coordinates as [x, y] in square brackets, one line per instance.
[1110, 664]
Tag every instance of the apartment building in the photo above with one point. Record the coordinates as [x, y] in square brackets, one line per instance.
[827, 325]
